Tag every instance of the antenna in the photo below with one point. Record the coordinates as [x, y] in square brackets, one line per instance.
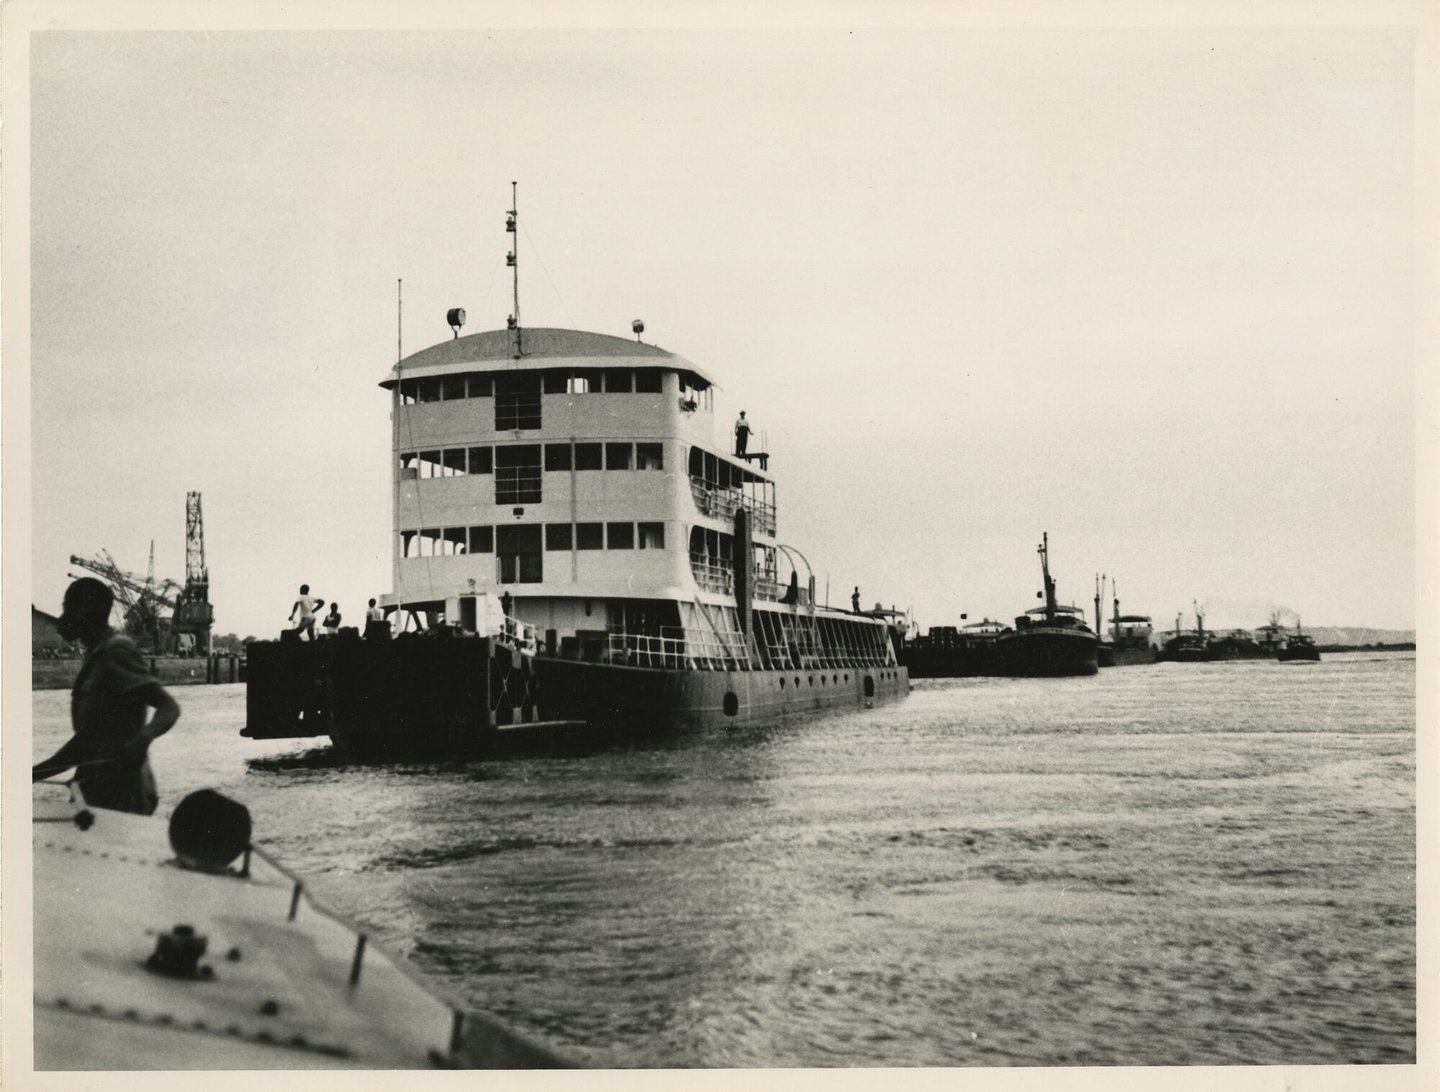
[399, 319]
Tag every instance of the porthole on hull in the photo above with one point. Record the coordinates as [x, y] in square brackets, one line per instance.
[732, 703]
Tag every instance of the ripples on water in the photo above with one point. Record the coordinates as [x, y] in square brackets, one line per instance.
[1167, 865]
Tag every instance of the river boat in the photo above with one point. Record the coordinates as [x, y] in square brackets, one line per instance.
[1238, 644]
[149, 956]
[1130, 637]
[948, 652]
[1048, 640]
[1299, 647]
[568, 500]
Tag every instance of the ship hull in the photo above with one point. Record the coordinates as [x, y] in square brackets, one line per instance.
[1040, 651]
[1125, 657]
[426, 698]
[954, 662]
[1299, 655]
[648, 701]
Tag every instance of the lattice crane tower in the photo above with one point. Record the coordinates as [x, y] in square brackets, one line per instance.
[193, 613]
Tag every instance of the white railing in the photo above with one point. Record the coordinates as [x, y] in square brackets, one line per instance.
[720, 503]
[521, 636]
[712, 576]
[702, 651]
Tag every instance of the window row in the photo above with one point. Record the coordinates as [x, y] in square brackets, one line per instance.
[450, 388]
[454, 462]
[451, 541]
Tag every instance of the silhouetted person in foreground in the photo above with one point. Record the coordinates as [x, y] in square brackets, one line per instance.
[376, 627]
[109, 750]
[332, 620]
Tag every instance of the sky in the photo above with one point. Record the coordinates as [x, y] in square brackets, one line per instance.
[1151, 291]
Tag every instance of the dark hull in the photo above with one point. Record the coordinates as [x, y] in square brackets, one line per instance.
[1306, 654]
[949, 662]
[1223, 650]
[449, 697]
[1043, 651]
[1183, 652]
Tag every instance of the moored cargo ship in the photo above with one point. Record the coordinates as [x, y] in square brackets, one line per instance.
[1048, 640]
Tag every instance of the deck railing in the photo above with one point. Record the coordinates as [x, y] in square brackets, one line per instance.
[720, 503]
[696, 651]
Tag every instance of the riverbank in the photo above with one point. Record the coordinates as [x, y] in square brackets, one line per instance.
[169, 670]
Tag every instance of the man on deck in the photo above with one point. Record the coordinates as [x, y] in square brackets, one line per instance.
[110, 747]
[742, 434]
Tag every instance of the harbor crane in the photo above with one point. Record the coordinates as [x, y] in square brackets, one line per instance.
[140, 598]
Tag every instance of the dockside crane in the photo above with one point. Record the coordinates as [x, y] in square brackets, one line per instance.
[193, 613]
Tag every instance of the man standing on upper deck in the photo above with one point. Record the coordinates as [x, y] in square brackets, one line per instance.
[742, 434]
[109, 750]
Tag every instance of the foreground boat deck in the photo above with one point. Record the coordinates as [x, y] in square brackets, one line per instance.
[282, 984]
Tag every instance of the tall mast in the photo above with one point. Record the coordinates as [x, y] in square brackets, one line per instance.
[1044, 552]
[1099, 593]
[512, 259]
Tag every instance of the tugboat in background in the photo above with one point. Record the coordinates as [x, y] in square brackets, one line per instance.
[1299, 647]
[1186, 648]
[1048, 640]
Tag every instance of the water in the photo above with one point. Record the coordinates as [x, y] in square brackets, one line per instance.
[1167, 865]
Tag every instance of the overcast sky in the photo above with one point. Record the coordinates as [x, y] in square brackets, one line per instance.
[1151, 291]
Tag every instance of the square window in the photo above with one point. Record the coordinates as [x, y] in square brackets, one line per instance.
[617, 380]
[478, 386]
[481, 460]
[429, 464]
[651, 536]
[587, 456]
[557, 456]
[455, 540]
[617, 456]
[428, 390]
[409, 391]
[589, 536]
[577, 384]
[619, 536]
[482, 540]
[454, 461]
[648, 381]
[557, 536]
[649, 456]
[554, 382]
[452, 387]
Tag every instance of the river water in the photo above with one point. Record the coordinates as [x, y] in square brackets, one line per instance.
[1165, 865]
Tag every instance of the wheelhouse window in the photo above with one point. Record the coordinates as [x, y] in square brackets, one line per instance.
[517, 402]
[455, 540]
[482, 540]
[589, 536]
[481, 460]
[453, 461]
[557, 456]
[651, 536]
[617, 381]
[427, 390]
[619, 536]
[587, 456]
[617, 456]
[648, 381]
[452, 388]
[478, 386]
[649, 456]
[558, 536]
[517, 474]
